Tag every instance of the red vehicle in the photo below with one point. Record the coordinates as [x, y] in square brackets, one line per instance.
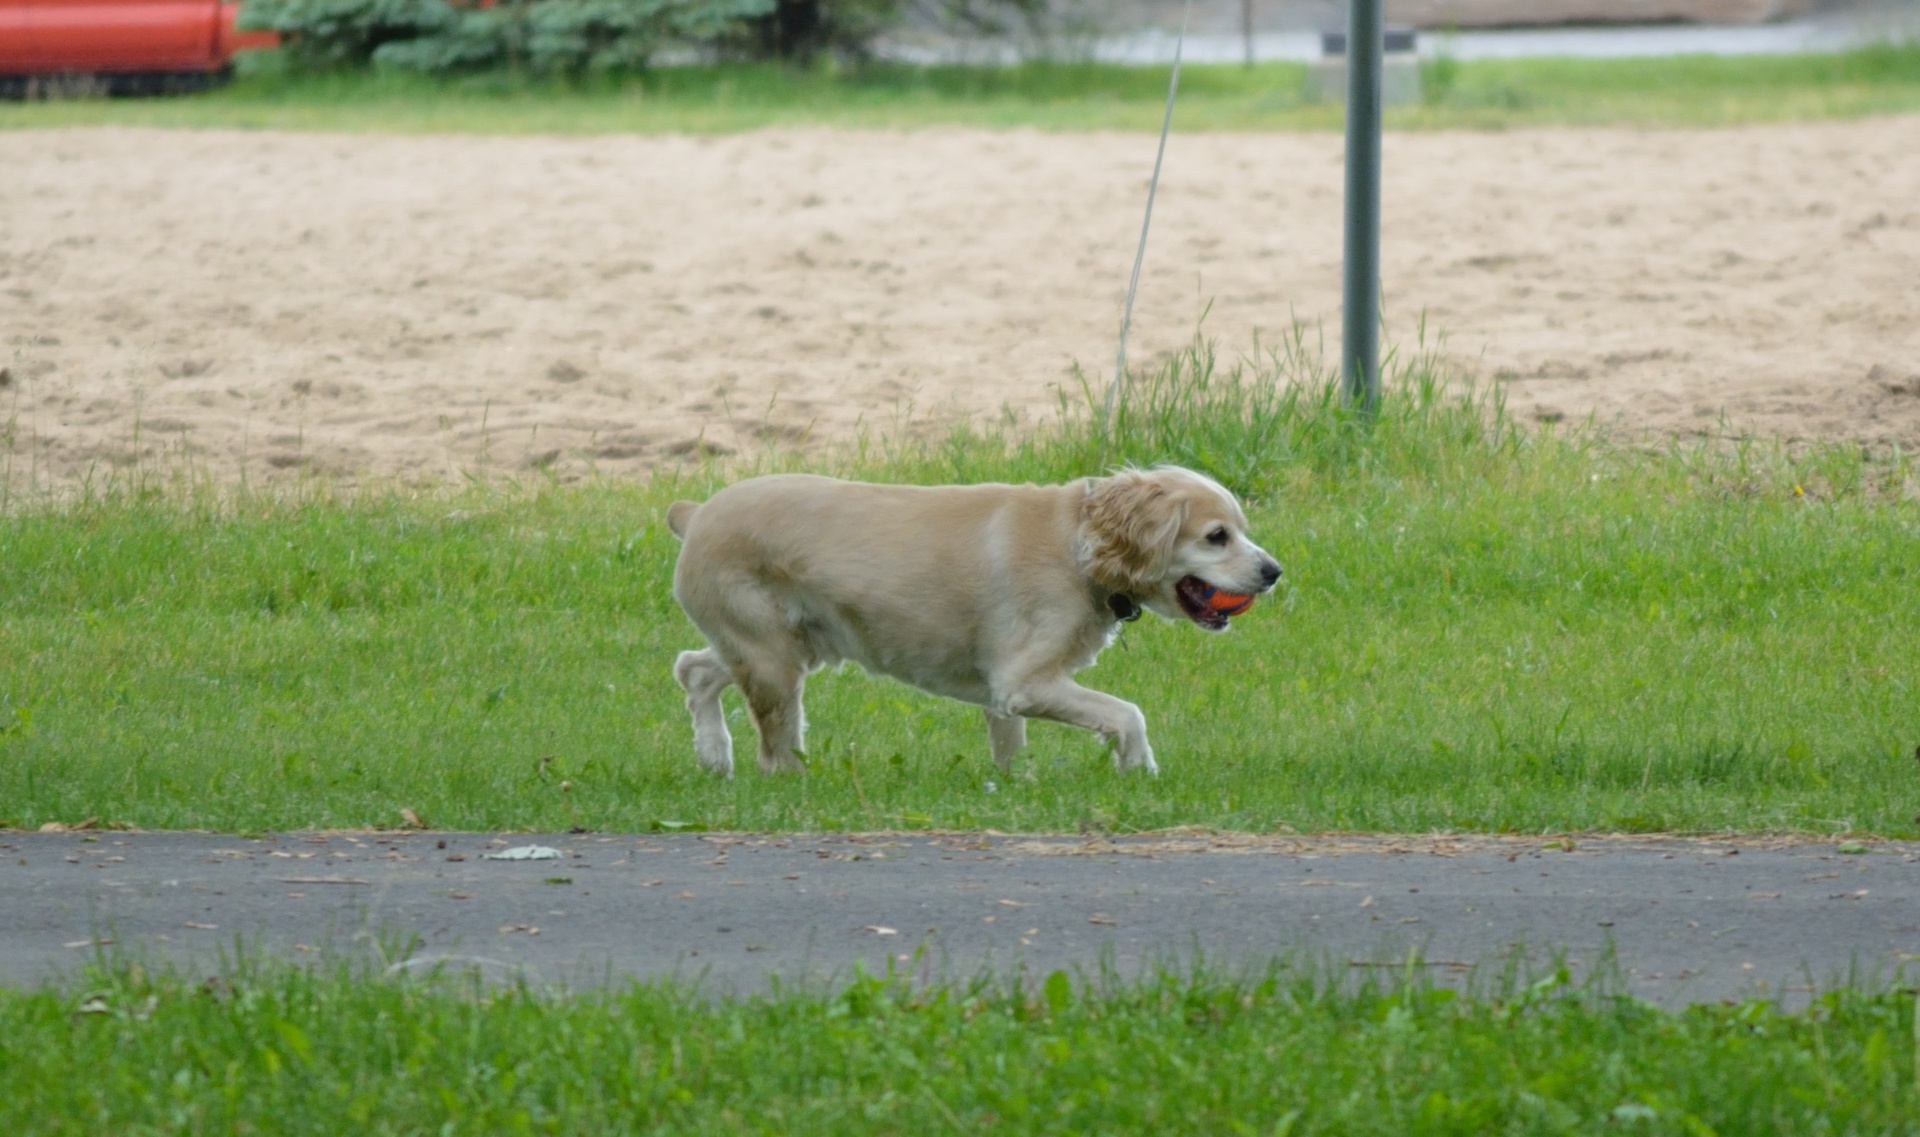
[120, 46]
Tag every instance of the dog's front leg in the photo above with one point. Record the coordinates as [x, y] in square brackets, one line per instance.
[1007, 734]
[1116, 720]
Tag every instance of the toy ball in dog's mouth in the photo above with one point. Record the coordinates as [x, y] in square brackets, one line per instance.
[1208, 606]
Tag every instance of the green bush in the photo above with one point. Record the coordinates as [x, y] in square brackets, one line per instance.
[559, 37]
[801, 29]
[326, 34]
[566, 37]
[542, 37]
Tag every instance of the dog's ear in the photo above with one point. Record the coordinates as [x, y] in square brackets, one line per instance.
[1131, 523]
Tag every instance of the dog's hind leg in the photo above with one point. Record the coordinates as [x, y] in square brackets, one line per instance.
[774, 687]
[704, 677]
[1007, 734]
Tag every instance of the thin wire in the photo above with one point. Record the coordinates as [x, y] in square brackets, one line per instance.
[1133, 285]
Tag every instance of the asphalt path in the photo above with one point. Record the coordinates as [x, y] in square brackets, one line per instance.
[1678, 919]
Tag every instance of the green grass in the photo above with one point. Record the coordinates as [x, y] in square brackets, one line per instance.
[1483, 630]
[1678, 91]
[278, 1050]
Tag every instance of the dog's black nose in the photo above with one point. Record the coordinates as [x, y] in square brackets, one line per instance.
[1269, 573]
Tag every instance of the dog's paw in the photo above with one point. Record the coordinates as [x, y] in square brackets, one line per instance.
[784, 765]
[716, 756]
[1127, 759]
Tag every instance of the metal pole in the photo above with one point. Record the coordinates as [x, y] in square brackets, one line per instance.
[1360, 333]
[1246, 28]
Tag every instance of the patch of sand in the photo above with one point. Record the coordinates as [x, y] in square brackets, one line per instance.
[416, 306]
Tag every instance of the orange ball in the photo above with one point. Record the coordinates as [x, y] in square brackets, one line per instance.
[1228, 603]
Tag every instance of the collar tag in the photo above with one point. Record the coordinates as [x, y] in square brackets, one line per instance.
[1125, 608]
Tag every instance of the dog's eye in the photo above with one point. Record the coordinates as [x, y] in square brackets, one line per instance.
[1218, 536]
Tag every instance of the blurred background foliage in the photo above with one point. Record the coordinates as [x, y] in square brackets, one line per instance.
[579, 37]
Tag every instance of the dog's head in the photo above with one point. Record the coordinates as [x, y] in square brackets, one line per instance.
[1163, 535]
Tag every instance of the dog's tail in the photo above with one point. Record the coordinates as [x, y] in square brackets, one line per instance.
[680, 515]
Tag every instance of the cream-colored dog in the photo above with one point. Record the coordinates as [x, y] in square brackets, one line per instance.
[994, 594]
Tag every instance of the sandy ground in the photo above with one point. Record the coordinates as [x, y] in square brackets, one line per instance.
[364, 305]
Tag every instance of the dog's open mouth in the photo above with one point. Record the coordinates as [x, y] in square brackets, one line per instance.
[1198, 599]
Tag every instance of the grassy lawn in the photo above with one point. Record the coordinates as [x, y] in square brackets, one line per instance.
[283, 1051]
[1491, 94]
[1484, 630]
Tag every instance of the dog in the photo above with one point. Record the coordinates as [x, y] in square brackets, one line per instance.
[994, 595]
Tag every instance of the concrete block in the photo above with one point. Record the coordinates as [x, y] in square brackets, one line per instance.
[1518, 13]
[1399, 79]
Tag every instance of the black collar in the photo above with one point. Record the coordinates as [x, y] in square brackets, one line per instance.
[1125, 608]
